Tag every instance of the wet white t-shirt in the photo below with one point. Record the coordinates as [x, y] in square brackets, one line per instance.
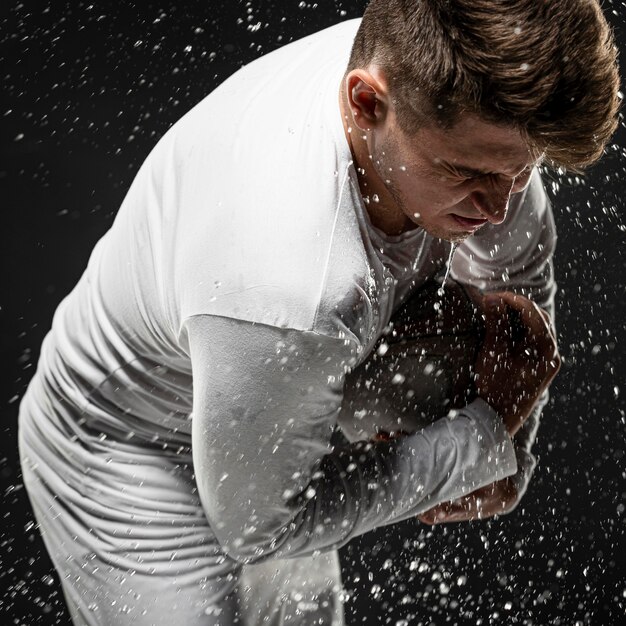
[240, 280]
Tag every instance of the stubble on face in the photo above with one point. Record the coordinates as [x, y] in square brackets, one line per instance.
[420, 177]
[434, 230]
[422, 180]
[389, 163]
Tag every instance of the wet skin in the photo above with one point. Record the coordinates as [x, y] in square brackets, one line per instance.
[448, 181]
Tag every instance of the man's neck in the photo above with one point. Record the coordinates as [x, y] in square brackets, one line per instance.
[383, 211]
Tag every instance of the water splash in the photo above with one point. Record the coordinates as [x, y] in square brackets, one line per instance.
[448, 266]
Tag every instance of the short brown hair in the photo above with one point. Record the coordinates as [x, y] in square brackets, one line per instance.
[546, 67]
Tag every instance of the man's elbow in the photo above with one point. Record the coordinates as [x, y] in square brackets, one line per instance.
[248, 542]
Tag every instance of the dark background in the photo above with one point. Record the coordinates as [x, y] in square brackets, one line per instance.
[87, 90]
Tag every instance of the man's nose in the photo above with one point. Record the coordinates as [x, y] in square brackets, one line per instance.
[491, 199]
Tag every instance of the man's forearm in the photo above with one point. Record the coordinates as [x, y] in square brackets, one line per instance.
[271, 485]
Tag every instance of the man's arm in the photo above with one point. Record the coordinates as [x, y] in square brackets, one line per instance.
[265, 404]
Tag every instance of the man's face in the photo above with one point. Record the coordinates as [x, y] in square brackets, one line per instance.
[452, 182]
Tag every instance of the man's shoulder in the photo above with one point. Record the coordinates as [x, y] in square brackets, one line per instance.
[255, 180]
[265, 89]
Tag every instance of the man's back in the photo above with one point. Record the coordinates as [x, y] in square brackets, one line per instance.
[234, 213]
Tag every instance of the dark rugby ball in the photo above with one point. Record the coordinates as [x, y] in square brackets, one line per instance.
[420, 369]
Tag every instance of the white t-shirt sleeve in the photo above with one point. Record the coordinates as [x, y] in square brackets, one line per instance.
[265, 406]
[516, 256]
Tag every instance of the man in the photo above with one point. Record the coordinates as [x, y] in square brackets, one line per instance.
[258, 256]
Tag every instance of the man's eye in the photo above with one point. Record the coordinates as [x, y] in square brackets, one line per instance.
[461, 176]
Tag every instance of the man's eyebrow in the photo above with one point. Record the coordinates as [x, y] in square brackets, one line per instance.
[465, 170]
[470, 171]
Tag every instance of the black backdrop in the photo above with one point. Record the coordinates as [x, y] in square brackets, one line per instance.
[87, 90]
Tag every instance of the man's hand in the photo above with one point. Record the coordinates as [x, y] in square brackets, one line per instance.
[518, 358]
[495, 499]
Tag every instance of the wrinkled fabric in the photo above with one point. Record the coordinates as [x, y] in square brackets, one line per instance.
[269, 482]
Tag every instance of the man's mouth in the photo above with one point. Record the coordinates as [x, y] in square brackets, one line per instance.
[469, 223]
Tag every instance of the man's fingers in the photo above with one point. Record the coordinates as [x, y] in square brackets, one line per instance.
[460, 510]
[494, 499]
[451, 512]
[538, 322]
[531, 327]
[534, 316]
[544, 341]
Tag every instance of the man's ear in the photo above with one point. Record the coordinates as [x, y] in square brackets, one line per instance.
[366, 92]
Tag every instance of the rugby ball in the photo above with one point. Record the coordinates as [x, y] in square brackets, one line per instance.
[421, 367]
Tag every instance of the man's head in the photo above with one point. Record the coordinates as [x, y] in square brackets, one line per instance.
[465, 96]
[545, 67]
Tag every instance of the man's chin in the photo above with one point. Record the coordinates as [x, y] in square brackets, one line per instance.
[458, 238]
[448, 230]
[447, 234]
